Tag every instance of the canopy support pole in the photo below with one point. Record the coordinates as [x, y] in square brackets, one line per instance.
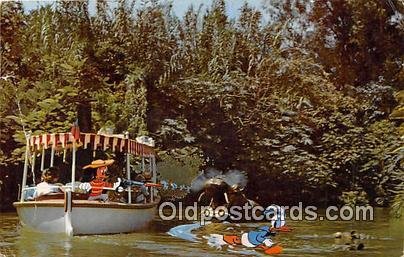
[52, 154]
[24, 175]
[153, 171]
[73, 164]
[128, 168]
[33, 168]
[43, 158]
[64, 155]
[150, 165]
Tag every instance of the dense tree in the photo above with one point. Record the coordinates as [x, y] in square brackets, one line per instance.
[359, 41]
[303, 103]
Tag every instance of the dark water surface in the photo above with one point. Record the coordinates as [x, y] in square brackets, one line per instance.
[309, 238]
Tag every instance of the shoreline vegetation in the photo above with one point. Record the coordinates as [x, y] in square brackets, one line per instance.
[309, 104]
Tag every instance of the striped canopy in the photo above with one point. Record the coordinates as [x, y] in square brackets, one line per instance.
[91, 141]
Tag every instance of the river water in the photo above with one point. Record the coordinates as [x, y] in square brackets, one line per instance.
[168, 238]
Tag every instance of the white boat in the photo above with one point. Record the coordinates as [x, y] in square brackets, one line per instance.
[70, 212]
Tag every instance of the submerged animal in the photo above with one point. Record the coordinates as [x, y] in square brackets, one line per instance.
[350, 240]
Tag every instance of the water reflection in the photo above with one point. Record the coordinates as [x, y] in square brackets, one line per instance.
[307, 239]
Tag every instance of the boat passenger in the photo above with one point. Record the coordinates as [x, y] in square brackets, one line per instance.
[147, 175]
[48, 184]
[140, 178]
[140, 193]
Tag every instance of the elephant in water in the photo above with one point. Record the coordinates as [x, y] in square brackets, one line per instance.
[216, 188]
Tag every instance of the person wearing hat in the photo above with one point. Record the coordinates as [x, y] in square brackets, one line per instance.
[140, 192]
[48, 184]
[97, 185]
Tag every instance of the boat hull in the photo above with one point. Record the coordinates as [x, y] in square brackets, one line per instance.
[86, 217]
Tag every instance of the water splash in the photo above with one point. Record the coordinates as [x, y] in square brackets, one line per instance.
[185, 231]
[216, 241]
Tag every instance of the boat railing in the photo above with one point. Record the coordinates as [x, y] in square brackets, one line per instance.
[32, 190]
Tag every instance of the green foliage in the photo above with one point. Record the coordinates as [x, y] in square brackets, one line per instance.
[398, 206]
[180, 165]
[359, 40]
[354, 198]
[12, 21]
[124, 107]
